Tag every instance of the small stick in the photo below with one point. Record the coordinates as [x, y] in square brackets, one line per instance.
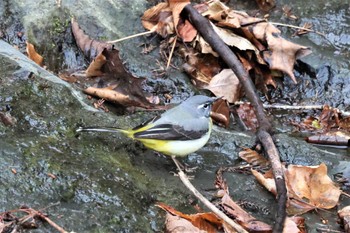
[297, 27]
[296, 107]
[130, 37]
[205, 201]
[171, 53]
[52, 223]
[346, 194]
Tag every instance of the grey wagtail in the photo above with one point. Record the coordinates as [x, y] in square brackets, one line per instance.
[179, 131]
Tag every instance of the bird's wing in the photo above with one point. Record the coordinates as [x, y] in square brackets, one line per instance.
[146, 123]
[169, 132]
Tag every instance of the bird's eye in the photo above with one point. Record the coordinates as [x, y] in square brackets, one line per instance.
[206, 106]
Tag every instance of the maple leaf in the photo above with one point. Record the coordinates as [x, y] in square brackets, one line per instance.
[282, 54]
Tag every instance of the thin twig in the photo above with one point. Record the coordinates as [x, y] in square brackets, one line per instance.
[346, 194]
[306, 29]
[297, 27]
[210, 36]
[130, 37]
[296, 107]
[37, 213]
[205, 201]
[49, 221]
[171, 53]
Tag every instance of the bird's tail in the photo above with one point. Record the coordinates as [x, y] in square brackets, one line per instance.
[104, 129]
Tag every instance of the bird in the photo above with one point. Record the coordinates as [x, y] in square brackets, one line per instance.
[177, 132]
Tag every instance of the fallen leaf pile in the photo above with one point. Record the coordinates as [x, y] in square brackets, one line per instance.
[257, 43]
[330, 128]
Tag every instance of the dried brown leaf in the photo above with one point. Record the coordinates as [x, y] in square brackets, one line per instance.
[247, 221]
[239, 42]
[282, 53]
[287, 10]
[309, 188]
[118, 85]
[344, 215]
[253, 158]
[215, 10]
[204, 47]
[247, 116]
[151, 16]
[220, 112]
[177, 224]
[7, 119]
[164, 19]
[344, 123]
[186, 31]
[313, 184]
[295, 224]
[90, 47]
[225, 84]
[201, 67]
[176, 7]
[303, 30]
[266, 180]
[266, 5]
[33, 55]
[111, 94]
[208, 222]
[68, 77]
[95, 66]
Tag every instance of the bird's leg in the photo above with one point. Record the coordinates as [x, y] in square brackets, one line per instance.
[182, 167]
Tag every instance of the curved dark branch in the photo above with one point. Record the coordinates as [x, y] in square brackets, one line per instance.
[207, 32]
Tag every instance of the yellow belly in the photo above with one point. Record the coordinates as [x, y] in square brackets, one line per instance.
[176, 148]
